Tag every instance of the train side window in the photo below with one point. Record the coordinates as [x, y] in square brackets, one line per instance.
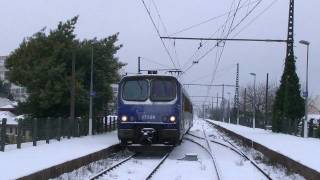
[187, 104]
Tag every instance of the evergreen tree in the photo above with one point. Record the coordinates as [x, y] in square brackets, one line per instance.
[43, 64]
[288, 107]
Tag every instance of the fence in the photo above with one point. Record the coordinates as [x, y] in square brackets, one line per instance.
[35, 129]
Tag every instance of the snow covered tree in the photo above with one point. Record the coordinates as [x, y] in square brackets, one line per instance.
[43, 64]
[288, 107]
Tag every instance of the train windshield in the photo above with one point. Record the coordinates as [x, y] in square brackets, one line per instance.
[135, 90]
[163, 90]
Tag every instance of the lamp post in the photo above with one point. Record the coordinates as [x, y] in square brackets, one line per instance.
[305, 129]
[254, 101]
[91, 94]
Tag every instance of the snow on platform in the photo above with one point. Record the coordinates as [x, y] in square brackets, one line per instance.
[17, 163]
[303, 150]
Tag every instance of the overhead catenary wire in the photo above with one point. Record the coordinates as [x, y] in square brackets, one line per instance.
[220, 56]
[158, 32]
[166, 31]
[210, 19]
[155, 62]
[217, 44]
[220, 28]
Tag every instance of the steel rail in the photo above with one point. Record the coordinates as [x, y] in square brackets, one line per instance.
[208, 151]
[105, 171]
[158, 166]
[236, 149]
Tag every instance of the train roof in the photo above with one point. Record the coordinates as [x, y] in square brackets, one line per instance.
[148, 75]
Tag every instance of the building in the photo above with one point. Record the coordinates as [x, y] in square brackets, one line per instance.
[112, 106]
[3, 70]
[314, 105]
[19, 93]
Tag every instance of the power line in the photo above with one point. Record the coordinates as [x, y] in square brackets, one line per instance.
[165, 47]
[225, 39]
[255, 18]
[210, 19]
[166, 31]
[155, 62]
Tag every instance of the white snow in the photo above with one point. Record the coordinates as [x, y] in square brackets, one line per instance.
[303, 150]
[9, 116]
[16, 163]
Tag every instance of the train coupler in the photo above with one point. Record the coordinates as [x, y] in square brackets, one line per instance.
[147, 134]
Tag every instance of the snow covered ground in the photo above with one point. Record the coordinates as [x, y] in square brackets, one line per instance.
[305, 151]
[230, 165]
[29, 159]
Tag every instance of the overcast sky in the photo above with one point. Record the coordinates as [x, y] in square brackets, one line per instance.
[100, 18]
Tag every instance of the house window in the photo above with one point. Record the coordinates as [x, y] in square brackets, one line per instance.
[10, 130]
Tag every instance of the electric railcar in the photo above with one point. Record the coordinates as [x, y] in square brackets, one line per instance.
[153, 109]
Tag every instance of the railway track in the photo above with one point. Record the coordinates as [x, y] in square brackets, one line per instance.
[234, 149]
[104, 174]
[210, 152]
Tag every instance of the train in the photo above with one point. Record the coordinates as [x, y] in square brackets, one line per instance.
[152, 109]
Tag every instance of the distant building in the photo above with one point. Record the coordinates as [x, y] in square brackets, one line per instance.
[19, 93]
[314, 105]
[3, 70]
[112, 106]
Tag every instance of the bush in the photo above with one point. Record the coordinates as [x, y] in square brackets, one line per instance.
[318, 132]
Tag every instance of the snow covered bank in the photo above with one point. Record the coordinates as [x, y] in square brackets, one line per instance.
[305, 151]
[21, 162]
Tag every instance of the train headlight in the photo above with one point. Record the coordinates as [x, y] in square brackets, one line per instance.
[172, 119]
[124, 118]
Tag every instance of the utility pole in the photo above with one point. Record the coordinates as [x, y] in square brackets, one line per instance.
[212, 105]
[222, 102]
[236, 96]
[91, 94]
[244, 100]
[267, 94]
[72, 94]
[203, 111]
[305, 129]
[139, 65]
[254, 101]
[217, 108]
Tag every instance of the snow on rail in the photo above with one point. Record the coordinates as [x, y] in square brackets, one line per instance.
[306, 151]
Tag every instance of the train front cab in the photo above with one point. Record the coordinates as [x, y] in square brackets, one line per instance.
[149, 110]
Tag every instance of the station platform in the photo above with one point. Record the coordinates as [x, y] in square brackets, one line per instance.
[303, 150]
[16, 163]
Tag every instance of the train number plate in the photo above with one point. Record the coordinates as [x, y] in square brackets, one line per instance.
[148, 117]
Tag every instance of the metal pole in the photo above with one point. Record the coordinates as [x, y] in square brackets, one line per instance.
[222, 102]
[91, 89]
[217, 107]
[305, 132]
[203, 111]
[254, 103]
[72, 93]
[139, 63]
[305, 129]
[267, 94]
[229, 107]
[237, 98]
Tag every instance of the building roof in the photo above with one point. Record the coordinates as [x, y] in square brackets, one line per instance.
[5, 101]
[11, 118]
[315, 103]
